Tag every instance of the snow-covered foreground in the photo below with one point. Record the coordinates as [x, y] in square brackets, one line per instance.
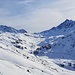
[16, 59]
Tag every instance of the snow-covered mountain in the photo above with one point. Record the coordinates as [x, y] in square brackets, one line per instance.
[4, 28]
[63, 29]
[50, 52]
[59, 44]
[60, 39]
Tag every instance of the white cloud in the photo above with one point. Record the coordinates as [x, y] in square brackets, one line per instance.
[25, 2]
[67, 8]
[65, 5]
[4, 12]
[44, 19]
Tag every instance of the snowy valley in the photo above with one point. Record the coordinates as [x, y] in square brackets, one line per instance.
[51, 52]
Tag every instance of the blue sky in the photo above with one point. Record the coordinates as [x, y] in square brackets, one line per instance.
[35, 15]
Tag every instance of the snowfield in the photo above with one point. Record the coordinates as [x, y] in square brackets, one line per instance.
[42, 53]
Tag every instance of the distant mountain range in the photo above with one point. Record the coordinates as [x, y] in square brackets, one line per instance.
[4, 28]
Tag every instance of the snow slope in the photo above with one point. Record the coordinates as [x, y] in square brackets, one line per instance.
[17, 54]
[59, 44]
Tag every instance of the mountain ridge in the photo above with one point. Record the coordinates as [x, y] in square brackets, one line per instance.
[5, 28]
[62, 29]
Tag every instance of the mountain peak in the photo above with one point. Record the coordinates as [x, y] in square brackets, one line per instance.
[66, 24]
[64, 28]
[67, 20]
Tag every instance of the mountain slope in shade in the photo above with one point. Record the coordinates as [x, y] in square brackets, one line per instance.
[62, 43]
[58, 44]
